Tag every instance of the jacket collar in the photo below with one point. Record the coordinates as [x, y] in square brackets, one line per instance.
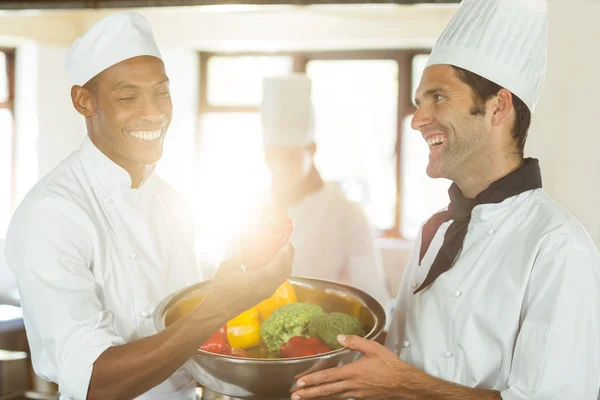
[107, 172]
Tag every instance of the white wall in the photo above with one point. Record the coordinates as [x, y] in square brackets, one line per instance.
[53, 28]
[565, 130]
[61, 128]
[48, 128]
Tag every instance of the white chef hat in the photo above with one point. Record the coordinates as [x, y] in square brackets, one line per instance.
[286, 111]
[113, 39]
[504, 41]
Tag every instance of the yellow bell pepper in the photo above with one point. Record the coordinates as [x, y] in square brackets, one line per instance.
[243, 331]
[285, 294]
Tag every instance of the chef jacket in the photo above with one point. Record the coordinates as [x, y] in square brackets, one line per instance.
[93, 257]
[518, 312]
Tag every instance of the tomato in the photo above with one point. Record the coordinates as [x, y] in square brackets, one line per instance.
[299, 346]
[265, 237]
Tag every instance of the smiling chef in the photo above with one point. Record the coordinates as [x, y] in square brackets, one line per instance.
[501, 296]
[101, 240]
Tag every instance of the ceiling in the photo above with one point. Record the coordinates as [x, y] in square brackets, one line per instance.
[96, 4]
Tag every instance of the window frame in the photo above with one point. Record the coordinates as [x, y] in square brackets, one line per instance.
[9, 104]
[403, 58]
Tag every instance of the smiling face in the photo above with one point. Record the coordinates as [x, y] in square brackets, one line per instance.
[128, 110]
[456, 129]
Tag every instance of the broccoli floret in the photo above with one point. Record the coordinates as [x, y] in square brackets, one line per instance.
[327, 326]
[286, 322]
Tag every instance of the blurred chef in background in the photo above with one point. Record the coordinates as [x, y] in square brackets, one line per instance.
[332, 237]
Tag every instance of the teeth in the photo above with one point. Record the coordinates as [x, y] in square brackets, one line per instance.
[432, 141]
[146, 135]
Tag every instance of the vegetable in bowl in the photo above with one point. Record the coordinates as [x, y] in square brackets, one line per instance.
[291, 330]
[286, 322]
[326, 327]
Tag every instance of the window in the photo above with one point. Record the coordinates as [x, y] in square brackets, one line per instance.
[6, 137]
[356, 104]
[237, 81]
[230, 173]
[363, 105]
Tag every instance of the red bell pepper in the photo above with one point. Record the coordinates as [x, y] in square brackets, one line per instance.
[218, 342]
[265, 237]
[299, 346]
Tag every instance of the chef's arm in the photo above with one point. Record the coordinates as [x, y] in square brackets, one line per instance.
[71, 333]
[381, 374]
[423, 386]
[129, 370]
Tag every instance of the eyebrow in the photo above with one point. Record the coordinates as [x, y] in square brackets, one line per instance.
[126, 85]
[430, 92]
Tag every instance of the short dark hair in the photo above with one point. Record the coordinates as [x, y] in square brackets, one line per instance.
[483, 90]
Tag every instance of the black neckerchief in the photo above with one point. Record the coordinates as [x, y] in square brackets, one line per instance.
[525, 178]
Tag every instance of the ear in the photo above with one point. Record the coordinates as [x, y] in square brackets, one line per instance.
[502, 106]
[83, 101]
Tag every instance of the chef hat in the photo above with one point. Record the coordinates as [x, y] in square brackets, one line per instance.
[111, 40]
[286, 111]
[504, 41]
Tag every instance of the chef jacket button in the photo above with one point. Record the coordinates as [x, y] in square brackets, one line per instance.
[491, 232]
[111, 330]
[145, 314]
[414, 284]
[406, 344]
[458, 293]
[449, 354]
[133, 256]
[107, 200]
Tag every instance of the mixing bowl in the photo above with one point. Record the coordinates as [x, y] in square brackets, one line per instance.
[272, 378]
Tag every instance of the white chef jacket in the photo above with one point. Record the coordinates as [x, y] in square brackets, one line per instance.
[333, 240]
[519, 312]
[93, 258]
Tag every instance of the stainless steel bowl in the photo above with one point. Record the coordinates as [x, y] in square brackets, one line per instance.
[269, 378]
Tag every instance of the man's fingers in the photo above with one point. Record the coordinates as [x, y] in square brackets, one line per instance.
[265, 280]
[358, 343]
[327, 376]
[329, 390]
[229, 266]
